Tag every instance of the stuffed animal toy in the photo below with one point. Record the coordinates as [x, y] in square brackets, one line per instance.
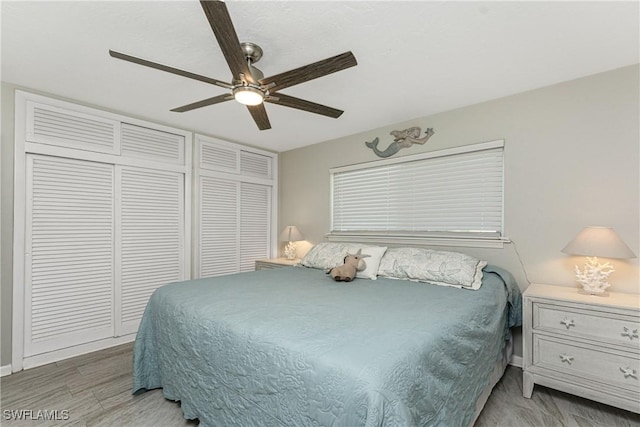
[347, 271]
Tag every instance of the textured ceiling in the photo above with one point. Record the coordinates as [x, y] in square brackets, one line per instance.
[414, 58]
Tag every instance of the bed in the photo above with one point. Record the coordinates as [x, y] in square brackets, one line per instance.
[290, 347]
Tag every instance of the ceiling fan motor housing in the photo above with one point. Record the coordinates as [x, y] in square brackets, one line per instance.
[251, 51]
[243, 91]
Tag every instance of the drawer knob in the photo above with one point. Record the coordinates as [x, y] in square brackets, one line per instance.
[567, 358]
[629, 333]
[628, 372]
[568, 322]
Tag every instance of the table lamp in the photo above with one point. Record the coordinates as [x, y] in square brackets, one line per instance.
[290, 234]
[593, 242]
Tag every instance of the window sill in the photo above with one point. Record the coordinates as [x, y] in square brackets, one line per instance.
[403, 239]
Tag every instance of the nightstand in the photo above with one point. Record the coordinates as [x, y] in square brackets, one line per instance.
[264, 264]
[582, 344]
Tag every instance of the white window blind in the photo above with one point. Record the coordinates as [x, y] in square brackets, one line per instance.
[452, 192]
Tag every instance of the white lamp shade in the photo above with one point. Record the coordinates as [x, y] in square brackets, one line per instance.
[599, 242]
[291, 234]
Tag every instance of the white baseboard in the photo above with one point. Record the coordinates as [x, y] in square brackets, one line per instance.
[516, 361]
[66, 353]
[5, 370]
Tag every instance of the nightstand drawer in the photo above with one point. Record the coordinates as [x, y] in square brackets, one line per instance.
[591, 324]
[589, 362]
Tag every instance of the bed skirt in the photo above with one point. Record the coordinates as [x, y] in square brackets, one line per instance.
[496, 374]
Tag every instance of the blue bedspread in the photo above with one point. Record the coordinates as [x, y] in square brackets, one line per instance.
[290, 347]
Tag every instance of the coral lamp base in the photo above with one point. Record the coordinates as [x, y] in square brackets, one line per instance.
[593, 293]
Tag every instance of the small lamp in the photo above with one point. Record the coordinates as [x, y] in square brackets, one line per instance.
[290, 234]
[593, 242]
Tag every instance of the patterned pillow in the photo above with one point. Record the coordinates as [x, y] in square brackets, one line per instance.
[437, 267]
[328, 254]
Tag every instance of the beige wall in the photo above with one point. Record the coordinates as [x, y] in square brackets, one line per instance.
[571, 160]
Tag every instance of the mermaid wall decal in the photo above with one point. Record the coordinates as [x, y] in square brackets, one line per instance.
[402, 139]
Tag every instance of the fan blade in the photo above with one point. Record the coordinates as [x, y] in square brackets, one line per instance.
[209, 101]
[220, 21]
[168, 69]
[259, 114]
[302, 104]
[311, 71]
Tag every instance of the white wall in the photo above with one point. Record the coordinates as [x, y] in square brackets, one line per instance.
[571, 160]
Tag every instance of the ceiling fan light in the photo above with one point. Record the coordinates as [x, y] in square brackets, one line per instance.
[248, 95]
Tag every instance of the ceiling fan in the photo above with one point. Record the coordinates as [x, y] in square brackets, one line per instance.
[249, 86]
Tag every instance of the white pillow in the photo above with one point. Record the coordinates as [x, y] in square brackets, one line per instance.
[328, 254]
[437, 267]
[373, 261]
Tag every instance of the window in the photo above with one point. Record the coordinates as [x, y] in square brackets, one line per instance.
[448, 195]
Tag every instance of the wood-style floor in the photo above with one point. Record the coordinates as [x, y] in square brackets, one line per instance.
[95, 389]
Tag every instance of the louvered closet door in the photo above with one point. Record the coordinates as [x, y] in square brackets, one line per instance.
[255, 220]
[69, 280]
[150, 239]
[219, 226]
